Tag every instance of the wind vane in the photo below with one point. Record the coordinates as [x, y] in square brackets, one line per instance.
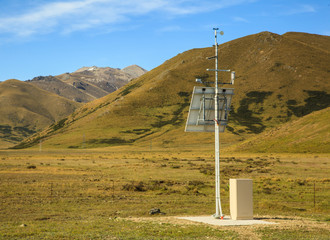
[208, 112]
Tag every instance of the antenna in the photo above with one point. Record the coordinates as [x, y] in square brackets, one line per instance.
[208, 112]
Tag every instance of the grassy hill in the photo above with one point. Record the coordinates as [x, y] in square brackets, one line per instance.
[24, 113]
[308, 134]
[26, 109]
[279, 78]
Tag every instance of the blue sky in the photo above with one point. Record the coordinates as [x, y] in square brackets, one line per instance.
[50, 37]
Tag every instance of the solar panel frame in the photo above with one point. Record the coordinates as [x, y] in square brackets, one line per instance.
[201, 111]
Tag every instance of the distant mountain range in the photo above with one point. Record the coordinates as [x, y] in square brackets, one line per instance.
[28, 107]
[88, 83]
[279, 79]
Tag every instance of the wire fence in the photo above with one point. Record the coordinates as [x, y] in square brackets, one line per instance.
[297, 196]
[292, 196]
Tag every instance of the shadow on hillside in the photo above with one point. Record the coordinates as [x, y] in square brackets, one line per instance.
[245, 117]
[317, 100]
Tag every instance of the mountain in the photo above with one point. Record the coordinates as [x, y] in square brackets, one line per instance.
[26, 109]
[279, 78]
[56, 86]
[88, 83]
[308, 134]
[134, 71]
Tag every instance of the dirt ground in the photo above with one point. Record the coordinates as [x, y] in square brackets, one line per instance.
[247, 232]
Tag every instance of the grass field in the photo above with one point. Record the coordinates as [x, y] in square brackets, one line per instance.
[107, 194]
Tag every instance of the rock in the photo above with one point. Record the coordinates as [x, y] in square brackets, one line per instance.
[155, 211]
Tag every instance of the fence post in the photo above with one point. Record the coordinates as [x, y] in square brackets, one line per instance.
[314, 196]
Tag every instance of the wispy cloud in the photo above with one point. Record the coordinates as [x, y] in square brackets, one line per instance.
[170, 29]
[304, 8]
[240, 19]
[76, 15]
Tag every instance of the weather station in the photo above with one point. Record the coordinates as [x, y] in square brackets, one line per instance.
[208, 112]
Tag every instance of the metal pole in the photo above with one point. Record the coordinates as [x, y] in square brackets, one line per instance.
[218, 210]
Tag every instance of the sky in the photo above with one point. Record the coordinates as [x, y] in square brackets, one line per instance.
[51, 37]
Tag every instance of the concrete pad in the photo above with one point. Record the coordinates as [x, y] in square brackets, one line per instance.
[226, 221]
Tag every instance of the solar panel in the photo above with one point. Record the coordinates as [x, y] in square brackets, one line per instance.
[201, 112]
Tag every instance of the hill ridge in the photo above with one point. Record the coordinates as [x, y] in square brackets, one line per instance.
[324, 47]
[273, 86]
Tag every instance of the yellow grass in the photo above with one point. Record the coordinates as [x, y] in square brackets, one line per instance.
[58, 190]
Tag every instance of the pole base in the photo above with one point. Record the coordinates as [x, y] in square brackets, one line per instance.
[217, 216]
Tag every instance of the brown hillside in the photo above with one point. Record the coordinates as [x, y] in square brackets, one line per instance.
[26, 109]
[88, 83]
[278, 79]
[134, 70]
[55, 85]
[317, 41]
[310, 133]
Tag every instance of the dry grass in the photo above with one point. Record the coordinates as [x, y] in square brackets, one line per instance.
[60, 194]
[308, 134]
[26, 109]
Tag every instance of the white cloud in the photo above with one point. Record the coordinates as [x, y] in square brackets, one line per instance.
[75, 15]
